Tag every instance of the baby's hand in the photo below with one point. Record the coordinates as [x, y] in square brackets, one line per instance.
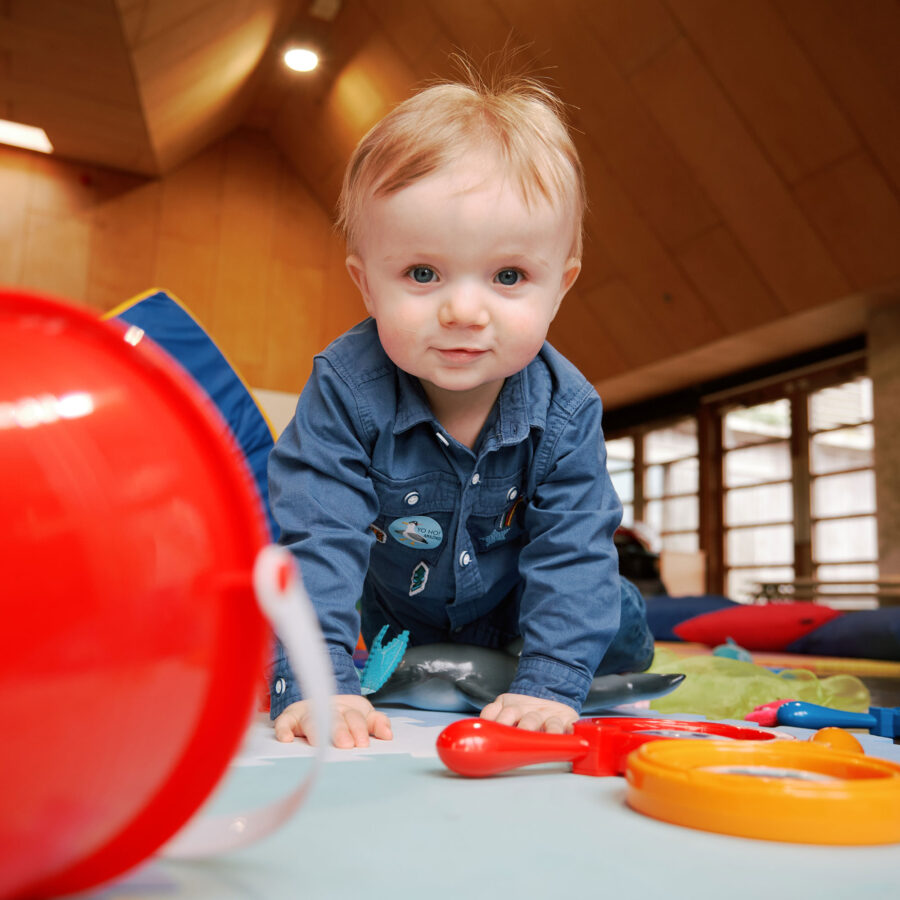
[530, 713]
[354, 720]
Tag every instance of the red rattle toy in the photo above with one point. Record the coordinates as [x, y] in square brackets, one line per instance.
[597, 746]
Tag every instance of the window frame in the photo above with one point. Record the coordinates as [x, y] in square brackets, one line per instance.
[797, 387]
[709, 409]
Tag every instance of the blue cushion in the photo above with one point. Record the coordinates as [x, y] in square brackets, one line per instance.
[665, 612]
[172, 327]
[864, 634]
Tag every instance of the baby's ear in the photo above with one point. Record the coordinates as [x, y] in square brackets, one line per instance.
[357, 270]
[571, 270]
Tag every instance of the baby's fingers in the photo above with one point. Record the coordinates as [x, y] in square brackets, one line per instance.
[350, 730]
[379, 726]
[531, 721]
[293, 723]
[555, 725]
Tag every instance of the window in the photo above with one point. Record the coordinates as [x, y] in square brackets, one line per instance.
[771, 482]
[655, 472]
[620, 462]
[671, 478]
[758, 496]
[797, 489]
[842, 482]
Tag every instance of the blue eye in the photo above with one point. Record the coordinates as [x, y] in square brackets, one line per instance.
[509, 277]
[422, 274]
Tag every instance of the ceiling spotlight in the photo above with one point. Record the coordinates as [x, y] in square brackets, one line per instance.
[301, 59]
[27, 136]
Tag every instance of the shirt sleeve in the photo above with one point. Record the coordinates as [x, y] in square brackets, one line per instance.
[323, 500]
[570, 606]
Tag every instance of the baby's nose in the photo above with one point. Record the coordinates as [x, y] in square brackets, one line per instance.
[463, 306]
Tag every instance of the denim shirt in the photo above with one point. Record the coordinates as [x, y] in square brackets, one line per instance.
[380, 504]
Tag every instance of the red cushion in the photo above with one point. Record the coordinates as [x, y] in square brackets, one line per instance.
[769, 627]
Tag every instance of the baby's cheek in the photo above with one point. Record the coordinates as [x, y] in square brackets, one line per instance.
[524, 345]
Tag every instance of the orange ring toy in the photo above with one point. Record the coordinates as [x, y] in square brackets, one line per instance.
[779, 790]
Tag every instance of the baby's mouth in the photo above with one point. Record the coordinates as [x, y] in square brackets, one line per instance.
[461, 354]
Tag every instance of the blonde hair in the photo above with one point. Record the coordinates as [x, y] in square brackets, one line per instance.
[520, 116]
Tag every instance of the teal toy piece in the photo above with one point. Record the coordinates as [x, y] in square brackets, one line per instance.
[463, 678]
[382, 661]
[879, 720]
[731, 650]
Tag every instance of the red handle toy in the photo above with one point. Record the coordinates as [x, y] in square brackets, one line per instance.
[476, 747]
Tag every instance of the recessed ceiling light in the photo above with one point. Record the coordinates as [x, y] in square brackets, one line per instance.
[301, 60]
[27, 136]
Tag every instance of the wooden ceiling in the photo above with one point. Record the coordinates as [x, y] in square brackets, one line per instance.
[742, 156]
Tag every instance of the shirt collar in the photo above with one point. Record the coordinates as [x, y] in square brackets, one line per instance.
[514, 414]
[412, 404]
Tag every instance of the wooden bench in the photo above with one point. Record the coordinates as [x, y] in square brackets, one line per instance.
[884, 591]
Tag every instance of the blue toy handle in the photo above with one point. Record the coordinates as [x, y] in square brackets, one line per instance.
[808, 715]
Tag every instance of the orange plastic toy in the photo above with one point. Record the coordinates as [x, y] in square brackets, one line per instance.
[781, 791]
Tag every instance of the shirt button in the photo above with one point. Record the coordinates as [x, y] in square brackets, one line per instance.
[464, 558]
[511, 494]
[476, 478]
[279, 686]
[412, 498]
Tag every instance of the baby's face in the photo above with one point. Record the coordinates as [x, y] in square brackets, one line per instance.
[462, 277]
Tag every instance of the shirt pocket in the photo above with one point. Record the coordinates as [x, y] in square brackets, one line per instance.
[498, 514]
[415, 517]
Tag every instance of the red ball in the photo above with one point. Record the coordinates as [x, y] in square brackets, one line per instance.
[131, 641]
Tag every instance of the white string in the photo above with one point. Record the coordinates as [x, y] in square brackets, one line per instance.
[284, 601]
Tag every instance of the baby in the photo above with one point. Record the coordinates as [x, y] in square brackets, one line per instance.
[445, 472]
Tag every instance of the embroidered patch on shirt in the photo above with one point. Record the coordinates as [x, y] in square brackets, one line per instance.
[511, 512]
[501, 530]
[419, 579]
[422, 531]
[380, 536]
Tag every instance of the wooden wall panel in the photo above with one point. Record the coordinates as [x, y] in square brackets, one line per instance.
[609, 117]
[721, 272]
[56, 253]
[631, 325]
[724, 157]
[14, 185]
[858, 215]
[785, 105]
[415, 33]
[743, 164]
[246, 225]
[478, 29]
[123, 245]
[68, 71]
[235, 236]
[295, 326]
[632, 32]
[187, 251]
[193, 64]
[659, 287]
[571, 337]
[834, 34]
[717, 153]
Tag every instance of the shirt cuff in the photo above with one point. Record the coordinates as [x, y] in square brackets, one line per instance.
[548, 679]
[284, 689]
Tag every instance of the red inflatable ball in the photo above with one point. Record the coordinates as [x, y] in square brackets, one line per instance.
[131, 641]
